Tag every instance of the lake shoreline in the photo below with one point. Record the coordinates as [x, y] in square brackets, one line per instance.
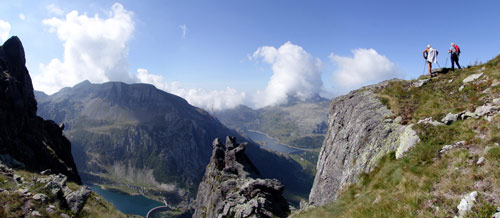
[126, 203]
[278, 141]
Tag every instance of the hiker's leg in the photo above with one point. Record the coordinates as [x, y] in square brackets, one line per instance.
[429, 66]
[458, 64]
[452, 63]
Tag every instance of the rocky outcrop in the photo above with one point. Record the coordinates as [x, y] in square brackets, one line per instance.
[356, 139]
[38, 190]
[27, 140]
[228, 189]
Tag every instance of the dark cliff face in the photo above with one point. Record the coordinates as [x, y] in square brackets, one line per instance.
[228, 189]
[36, 143]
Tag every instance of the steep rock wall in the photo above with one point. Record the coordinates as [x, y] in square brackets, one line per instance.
[359, 134]
[27, 140]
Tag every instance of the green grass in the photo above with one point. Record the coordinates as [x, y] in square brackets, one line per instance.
[427, 183]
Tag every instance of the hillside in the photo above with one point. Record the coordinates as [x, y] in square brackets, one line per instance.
[451, 170]
[288, 123]
[140, 139]
[301, 124]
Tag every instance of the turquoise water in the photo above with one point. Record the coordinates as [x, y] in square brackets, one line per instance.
[138, 205]
[271, 144]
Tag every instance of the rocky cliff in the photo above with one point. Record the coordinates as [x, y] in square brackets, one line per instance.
[360, 132]
[27, 140]
[228, 189]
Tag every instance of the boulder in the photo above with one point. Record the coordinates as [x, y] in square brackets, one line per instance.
[480, 161]
[452, 146]
[40, 197]
[472, 78]
[450, 118]
[55, 183]
[420, 82]
[76, 200]
[486, 110]
[36, 214]
[429, 120]
[46, 172]
[466, 203]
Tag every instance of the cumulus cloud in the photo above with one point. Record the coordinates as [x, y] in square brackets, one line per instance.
[54, 10]
[365, 67]
[296, 73]
[95, 48]
[22, 17]
[210, 100]
[4, 30]
[183, 28]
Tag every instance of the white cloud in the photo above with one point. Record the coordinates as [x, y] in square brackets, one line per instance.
[54, 10]
[184, 29]
[4, 30]
[366, 67]
[95, 48]
[295, 73]
[210, 100]
[22, 17]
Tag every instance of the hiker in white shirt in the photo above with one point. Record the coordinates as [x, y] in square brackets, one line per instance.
[430, 55]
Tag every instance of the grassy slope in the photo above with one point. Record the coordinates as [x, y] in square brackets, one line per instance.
[15, 204]
[426, 183]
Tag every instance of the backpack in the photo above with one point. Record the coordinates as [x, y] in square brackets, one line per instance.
[457, 48]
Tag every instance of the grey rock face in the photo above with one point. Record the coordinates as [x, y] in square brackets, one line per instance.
[356, 139]
[408, 139]
[228, 190]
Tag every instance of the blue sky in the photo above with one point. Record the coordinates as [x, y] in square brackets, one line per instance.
[342, 44]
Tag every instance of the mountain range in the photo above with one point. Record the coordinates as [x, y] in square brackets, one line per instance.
[144, 140]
